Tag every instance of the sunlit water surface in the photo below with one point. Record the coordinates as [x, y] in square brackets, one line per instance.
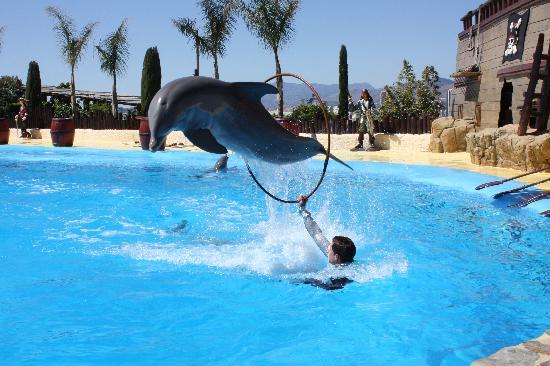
[112, 257]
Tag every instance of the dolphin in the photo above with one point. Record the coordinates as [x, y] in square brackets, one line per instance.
[216, 116]
[221, 164]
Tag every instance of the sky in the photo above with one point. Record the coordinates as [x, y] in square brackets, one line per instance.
[378, 35]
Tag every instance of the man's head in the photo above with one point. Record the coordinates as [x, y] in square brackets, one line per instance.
[342, 250]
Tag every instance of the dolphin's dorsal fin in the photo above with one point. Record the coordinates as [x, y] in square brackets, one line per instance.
[255, 90]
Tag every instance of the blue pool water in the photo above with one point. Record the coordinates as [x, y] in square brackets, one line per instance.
[97, 268]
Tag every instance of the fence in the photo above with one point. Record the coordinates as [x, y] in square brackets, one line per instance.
[42, 117]
[406, 125]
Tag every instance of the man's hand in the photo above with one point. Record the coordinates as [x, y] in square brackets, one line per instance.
[302, 201]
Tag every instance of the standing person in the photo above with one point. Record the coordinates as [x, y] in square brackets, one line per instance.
[366, 124]
[21, 117]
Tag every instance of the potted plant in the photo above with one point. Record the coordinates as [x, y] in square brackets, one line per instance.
[62, 127]
[150, 85]
[10, 92]
[4, 124]
[4, 127]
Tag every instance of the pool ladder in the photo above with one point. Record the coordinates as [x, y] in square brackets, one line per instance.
[524, 202]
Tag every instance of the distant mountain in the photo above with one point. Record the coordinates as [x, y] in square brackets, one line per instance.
[295, 93]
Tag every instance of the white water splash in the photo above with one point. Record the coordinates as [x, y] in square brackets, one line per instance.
[284, 248]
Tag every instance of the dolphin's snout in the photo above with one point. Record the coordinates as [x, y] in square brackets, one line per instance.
[157, 144]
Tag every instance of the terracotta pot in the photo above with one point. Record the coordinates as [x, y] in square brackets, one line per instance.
[4, 131]
[145, 133]
[290, 125]
[62, 132]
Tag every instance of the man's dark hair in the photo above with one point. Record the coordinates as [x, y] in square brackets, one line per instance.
[344, 247]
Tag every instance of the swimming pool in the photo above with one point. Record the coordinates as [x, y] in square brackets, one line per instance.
[128, 257]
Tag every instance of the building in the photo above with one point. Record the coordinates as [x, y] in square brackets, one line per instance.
[494, 59]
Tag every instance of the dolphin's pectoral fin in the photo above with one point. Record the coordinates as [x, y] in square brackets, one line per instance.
[204, 140]
[340, 161]
[255, 90]
[324, 152]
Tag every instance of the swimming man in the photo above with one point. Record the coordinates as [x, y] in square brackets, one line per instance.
[340, 251]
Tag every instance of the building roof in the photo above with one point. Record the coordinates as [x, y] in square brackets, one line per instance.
[492, 10]
[129, 100]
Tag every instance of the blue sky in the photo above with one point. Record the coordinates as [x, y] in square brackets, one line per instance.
[377, 34]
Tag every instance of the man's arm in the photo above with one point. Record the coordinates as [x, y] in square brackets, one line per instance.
[313, 229]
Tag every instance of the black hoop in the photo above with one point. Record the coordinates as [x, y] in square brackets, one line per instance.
[327, 157]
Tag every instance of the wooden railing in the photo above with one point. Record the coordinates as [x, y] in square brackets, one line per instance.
[405, 125]
[490, 11]
[42, 117]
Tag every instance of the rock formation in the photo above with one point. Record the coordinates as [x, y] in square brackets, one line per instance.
[449, 135]
[503, 147]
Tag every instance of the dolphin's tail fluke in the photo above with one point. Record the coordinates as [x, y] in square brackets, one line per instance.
[340, 161]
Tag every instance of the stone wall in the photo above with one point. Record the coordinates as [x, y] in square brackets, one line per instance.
[449, 135]
[504, 148]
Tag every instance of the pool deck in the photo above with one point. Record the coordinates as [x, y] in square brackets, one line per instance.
[535, 352]
[340, 145]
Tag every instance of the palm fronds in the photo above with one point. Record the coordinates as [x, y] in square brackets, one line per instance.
[113, 51]
[219, 23]
[271, 21]
[71, 43]
[188, 28]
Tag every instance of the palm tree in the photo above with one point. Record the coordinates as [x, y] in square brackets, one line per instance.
[271, 21]
[2, 29]
[71, 43]
[219, 22]
[113, 54]
[188, 28]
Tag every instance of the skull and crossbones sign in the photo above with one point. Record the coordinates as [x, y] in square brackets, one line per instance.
[513, 38]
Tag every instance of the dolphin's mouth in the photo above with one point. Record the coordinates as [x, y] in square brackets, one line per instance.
[156, 144]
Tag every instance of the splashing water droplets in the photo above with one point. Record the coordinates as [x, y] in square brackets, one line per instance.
[280, 246]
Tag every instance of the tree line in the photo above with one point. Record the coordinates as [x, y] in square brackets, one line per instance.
[271, 21]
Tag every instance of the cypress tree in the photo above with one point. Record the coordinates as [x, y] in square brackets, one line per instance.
[34, 85]
[150, 78]
[343, 81]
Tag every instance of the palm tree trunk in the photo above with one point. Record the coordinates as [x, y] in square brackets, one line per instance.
[216, 73]
[73, 93]
[114, 104]
[197, 51]
[279, 84]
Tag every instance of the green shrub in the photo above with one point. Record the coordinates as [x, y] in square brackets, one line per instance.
[150, 78]
[99, 107]
[33, 90]
[61, 109]
[307, 112]
[11, 89]
[343, 84]
[411, 97]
